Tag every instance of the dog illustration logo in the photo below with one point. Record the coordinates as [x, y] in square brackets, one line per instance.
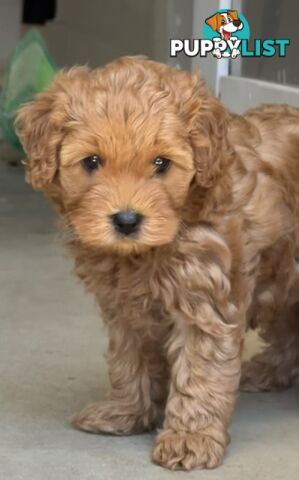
[227, 24]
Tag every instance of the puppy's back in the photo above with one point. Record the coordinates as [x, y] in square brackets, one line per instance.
[270, 133]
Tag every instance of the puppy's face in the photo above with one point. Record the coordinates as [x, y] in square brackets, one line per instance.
[114, 148]
[125, 172]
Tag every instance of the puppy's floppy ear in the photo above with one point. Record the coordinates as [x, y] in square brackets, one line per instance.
[40, 137]
[206, 122]
[41, 124]
[213, 21]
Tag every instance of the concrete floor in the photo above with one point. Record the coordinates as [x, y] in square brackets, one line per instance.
[51, 365]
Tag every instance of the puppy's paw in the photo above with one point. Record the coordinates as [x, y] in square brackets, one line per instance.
[184, 451]
[114, 418]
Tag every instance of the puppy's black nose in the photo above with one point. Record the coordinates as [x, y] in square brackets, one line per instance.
[237, 23]
[126, 221]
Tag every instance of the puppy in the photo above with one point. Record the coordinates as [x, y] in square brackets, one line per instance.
[182, 220]
[225, 24]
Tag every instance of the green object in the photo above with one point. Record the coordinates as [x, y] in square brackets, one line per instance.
[29, 70]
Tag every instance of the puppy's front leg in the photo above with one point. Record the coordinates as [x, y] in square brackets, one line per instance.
[133, 401]
[204, 354]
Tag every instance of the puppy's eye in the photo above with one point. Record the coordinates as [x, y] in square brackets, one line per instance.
[91, 163]
[161, 165]
[223, 21]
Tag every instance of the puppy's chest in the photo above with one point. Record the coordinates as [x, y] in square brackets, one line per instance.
[152, 283]
[143, 284]
[121, 283]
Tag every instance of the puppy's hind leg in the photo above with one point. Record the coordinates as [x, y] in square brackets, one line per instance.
[277, 366]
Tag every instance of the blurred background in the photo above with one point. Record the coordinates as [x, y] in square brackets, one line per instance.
[51, 341]
[97, 31]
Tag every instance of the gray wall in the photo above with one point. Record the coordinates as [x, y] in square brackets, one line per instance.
[96, 31]
[273, 19]
[10, 27]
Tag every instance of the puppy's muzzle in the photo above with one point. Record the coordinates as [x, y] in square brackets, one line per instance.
[126, 222]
